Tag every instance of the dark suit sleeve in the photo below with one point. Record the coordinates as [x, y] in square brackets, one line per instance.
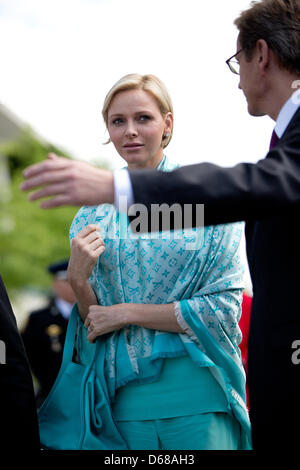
[19, 425]
[244, 192]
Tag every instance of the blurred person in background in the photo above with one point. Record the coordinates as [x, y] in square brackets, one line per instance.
[45, 330]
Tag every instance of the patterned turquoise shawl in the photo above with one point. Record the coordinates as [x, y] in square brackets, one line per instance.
[205, 283]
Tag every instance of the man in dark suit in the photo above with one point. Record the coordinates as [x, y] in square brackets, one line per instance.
[44, 332]
[18, 419]
[266, 195]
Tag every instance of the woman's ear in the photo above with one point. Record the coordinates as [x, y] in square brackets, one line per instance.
[169, 121]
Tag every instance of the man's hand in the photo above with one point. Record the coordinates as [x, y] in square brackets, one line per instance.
[68, 183]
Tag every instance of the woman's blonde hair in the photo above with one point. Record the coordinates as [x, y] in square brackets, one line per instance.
[149, 83]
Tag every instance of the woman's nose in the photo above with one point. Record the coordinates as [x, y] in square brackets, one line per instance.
[131, 130]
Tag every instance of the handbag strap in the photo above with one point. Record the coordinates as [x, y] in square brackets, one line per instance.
[70, 339]
[70, 336]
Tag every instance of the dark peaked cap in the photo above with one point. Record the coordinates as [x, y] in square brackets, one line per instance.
[59, 269]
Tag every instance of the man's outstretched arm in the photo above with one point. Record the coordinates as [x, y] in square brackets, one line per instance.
[68, 182]
[243, 192]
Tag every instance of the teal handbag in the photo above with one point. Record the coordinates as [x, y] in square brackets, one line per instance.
[76, 415]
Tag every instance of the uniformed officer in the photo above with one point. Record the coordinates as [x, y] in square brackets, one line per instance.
[44, 333]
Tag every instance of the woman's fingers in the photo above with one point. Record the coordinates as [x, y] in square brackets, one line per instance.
[92, 236]
[87, 230]
[96, 244]
[99, 251]
[87, 236]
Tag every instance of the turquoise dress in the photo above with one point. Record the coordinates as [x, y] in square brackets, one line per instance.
[200, 271]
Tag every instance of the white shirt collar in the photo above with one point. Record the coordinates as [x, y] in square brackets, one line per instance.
[287, 112]
[64, 307]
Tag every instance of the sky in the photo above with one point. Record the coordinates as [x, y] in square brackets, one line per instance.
[59, 58]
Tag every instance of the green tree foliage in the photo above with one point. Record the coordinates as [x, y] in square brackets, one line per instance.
[30, 238]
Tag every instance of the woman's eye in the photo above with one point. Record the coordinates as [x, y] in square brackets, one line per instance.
[117, 121]
[145, 117]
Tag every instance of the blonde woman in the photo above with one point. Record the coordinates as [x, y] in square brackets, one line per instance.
[168, 314]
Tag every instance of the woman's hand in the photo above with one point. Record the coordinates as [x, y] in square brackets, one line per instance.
[86, 248]
[102, 320]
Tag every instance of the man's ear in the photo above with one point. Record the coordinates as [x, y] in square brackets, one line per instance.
[263, 55]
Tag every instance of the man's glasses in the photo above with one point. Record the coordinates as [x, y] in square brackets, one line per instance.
[233, 64]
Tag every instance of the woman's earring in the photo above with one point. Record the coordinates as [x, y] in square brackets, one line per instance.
[166, 135]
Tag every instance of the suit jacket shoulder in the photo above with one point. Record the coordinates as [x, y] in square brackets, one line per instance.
[247, 191]
[17, 403]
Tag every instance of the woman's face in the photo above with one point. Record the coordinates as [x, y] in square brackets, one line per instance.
[136, 128]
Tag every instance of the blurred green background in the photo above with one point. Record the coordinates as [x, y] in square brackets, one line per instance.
[30, 238]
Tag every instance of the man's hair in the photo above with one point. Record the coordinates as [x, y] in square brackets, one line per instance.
[278, 23]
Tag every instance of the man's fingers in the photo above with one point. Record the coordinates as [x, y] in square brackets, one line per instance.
[53, 156]
[58, 201]
[53, 162]
[33, 170]
[51, 190]
[41, 178]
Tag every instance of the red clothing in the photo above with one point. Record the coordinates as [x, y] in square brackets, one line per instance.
[244, 324]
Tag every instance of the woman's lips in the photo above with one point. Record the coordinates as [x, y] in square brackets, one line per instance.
[133, 146]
